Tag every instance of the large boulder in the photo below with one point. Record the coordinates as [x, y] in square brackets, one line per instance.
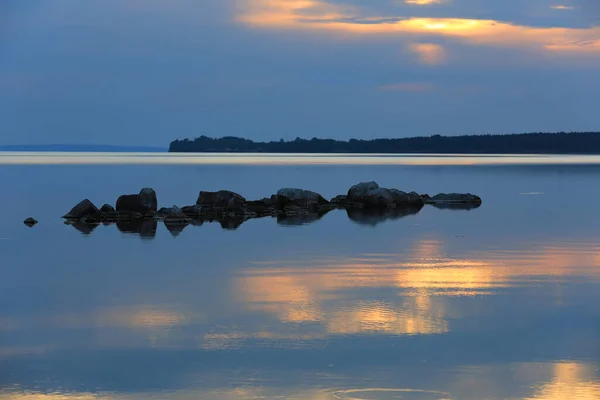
[301, 198]
[145, 202]
[370, 195]
[224, 200]
[361, 190]
[85, 208]
[454, 198]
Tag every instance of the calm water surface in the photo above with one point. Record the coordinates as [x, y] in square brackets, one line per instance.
[498, 302]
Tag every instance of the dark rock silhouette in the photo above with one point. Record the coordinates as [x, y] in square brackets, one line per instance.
[221, 201]
[85, 208]
[107, 209]
[365, 203]
[30, 222]
[370, 195]
[144, 202]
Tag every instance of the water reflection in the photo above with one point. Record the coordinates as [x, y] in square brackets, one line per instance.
[372, 217]
[145, 228]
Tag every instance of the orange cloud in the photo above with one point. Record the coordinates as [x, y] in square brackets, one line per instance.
[423, 2]
[559, 7]
[321, 16]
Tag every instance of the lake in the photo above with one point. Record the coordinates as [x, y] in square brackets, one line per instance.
[497, 302]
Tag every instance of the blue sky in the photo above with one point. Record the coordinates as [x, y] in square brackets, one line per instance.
[144, 72]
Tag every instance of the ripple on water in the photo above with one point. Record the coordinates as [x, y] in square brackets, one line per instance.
[389, 394]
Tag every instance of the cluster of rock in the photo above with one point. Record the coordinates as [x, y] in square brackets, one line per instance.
[231, 209]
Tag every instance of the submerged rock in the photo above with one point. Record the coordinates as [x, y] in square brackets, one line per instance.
[85, 208]
[30, 222]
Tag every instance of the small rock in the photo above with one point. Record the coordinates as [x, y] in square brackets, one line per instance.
[107, 209]
[30, 222]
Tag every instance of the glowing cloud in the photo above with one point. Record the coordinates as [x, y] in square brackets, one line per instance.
[559, 7]
[321, 16]
[423, 2]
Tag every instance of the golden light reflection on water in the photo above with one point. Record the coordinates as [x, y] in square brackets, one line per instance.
[542, 381]
[427, 280]
[74, 158]
[570, 381]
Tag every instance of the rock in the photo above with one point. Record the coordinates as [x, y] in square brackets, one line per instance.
[145, 202]
[457, 198]
[224, 200]
[30, 222]
[340, 200]
[192, 211]
[261, 207]
[361, 190]
[84, 209]
[175, 214]
[370, 195]
[301, 198]
[148, 199]
[107, 209]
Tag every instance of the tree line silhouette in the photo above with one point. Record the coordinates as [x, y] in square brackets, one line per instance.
[523, 143]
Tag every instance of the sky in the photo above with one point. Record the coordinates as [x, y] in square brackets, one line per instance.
[145, 72]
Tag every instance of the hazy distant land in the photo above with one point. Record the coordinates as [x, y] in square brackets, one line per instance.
[83, 148]
[524, 143]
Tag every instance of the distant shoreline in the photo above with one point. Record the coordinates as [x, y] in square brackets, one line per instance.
[82, 148]
[524, 143]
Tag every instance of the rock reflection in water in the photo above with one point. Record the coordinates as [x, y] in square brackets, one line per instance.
[146, 228]
[373, 217]
[456, 206]
[302, 219]
[82, 227]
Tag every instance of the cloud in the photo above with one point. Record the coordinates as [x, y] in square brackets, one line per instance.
[429, 53]
[352, 21]
[424, 2]
[559, 7]
[409, 87]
